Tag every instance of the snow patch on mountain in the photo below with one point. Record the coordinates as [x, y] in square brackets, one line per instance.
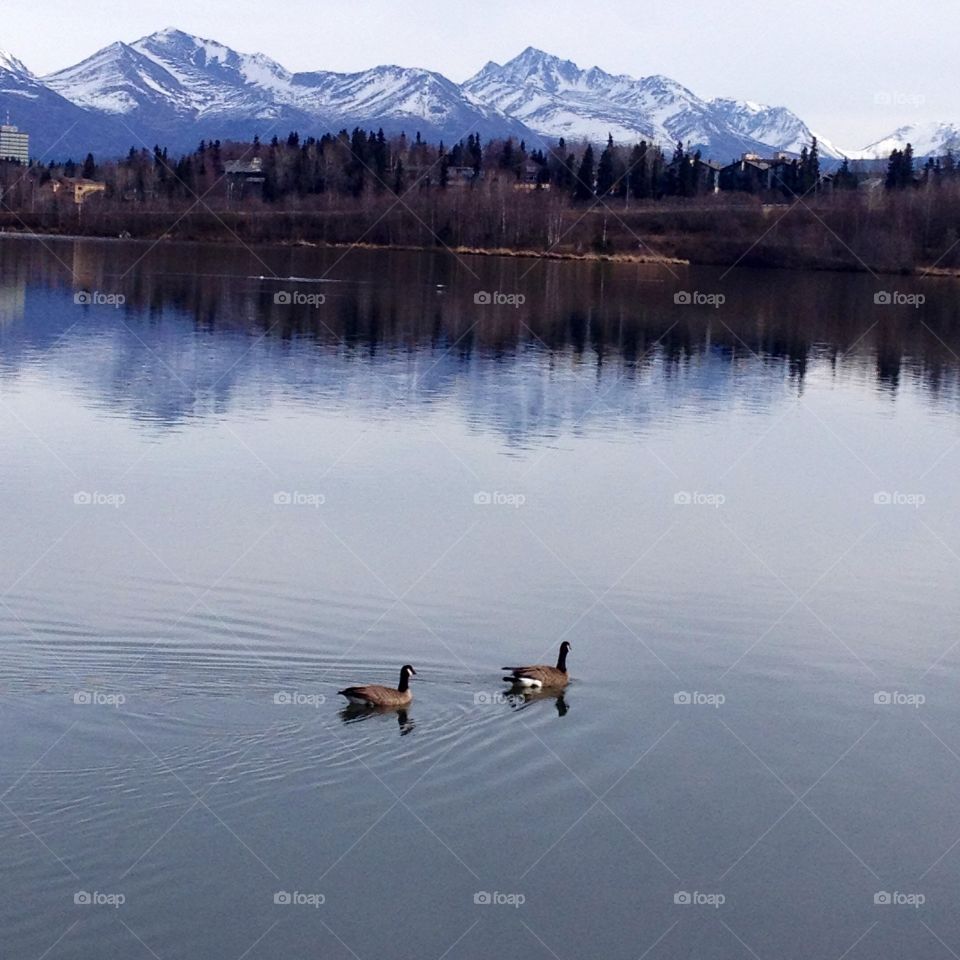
[9, 63]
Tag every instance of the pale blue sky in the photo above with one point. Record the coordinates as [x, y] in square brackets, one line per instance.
[853, 71]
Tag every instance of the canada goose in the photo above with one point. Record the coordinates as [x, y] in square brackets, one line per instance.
[373, 695]
[541, 675]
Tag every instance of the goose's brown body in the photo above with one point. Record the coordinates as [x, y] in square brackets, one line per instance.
[541, 675]
[374, 695]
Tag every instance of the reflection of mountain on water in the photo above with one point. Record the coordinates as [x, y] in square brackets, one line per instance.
[166, 371]
[593, 343]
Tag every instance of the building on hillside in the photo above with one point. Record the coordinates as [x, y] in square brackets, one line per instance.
[77, 188]
[754, 174]
[417, 175]
[707, 174]
[14, 144]
[244, 174]
[532, 177]
[460, 176]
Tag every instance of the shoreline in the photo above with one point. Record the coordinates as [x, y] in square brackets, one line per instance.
[918, 272]
[463, 251]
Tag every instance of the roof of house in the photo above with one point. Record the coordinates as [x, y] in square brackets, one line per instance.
[254, 165]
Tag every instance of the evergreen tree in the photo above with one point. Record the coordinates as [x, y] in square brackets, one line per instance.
[605, 170]
[474, 153]
[894, 165]
[844, 178]
[810, 167]
[907, 173]
[381, 157]
[900, 169]
[583, 190]
[639, 181]
[356, 166]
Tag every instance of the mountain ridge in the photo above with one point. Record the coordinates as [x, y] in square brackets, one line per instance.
[174, 88]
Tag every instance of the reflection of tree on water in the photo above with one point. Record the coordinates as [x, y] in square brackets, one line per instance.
[13, 297]
[199, 325]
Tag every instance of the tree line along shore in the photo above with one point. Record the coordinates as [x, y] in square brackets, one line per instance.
[624, 202]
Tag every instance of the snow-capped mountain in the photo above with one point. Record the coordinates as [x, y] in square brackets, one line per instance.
[771, 125]
[556, 98]
[57, 127]
[174, 89]
[931, 139]
[407, 98]
[177, 88]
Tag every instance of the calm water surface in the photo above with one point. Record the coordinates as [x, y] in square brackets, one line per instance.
[224, 500]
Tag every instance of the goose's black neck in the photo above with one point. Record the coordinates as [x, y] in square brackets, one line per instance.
[562, 660]
[404, 681]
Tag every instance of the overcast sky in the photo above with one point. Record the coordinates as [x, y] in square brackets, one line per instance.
[852, 71]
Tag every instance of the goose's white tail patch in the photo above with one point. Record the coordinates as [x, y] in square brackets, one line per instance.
[527, 682]
[357, 701]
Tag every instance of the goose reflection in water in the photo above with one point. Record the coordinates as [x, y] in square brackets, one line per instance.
[356, 714]
[520, 699]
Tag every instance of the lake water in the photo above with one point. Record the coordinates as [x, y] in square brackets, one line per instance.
[234, 493]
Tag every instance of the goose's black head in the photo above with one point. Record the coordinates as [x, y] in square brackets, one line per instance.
[565, 648]
[406, 672]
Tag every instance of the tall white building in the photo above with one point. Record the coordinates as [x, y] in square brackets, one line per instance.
[14, 144]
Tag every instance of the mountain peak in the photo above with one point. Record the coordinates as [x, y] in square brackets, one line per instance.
[534, 53]
[168, 36]
[9, 62]
[539, 68]
[170, 33]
